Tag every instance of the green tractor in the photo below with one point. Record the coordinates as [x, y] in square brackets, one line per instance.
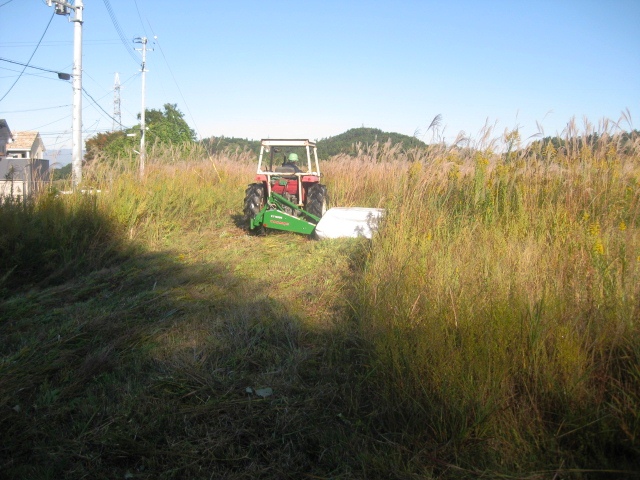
[287, 193]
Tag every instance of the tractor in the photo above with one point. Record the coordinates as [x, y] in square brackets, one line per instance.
[287, 193]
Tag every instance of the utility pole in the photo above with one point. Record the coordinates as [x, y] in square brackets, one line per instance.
[63, 8]
[143, 129]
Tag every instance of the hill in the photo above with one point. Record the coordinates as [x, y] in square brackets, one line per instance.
[344, 143]
[220, 144]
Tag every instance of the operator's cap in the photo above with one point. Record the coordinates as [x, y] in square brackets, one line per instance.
[293, 157]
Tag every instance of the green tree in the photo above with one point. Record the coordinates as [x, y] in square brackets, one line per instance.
[164, 127]
[345, 142]
[109, 145]
[168, 126]
[63, 173]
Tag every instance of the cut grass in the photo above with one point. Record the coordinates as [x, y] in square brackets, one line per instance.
[141, 370]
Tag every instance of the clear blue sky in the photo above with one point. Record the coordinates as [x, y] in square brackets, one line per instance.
[313, 69]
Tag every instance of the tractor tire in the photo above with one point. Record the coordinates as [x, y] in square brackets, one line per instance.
[317, 200]
[253, 202]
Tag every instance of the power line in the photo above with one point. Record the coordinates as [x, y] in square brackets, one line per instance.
[98, 105]
[39, 75]
[35, 109]
[114, 20]
[52, 71]
[34, 52]
[140, 17]
[57, 43]
[175, 81]
[8, 1]
[29, 66]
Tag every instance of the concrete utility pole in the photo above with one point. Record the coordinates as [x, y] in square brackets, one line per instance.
[63, 8]
[143, 129]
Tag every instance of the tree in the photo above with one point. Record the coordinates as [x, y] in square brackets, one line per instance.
[164, 127]
[109, 144]
[168, 127]
[63, 173]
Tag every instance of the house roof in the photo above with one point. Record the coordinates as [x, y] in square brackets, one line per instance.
[24, 140]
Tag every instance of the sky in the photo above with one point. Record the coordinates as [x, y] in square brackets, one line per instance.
[316, 68]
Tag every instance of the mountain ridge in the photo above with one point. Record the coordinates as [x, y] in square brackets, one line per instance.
[343, 143]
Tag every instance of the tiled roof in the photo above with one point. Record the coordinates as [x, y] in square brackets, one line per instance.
[22, 140]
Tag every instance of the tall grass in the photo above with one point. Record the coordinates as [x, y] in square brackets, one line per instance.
[50, 239]
[182, 188]
[502, 300]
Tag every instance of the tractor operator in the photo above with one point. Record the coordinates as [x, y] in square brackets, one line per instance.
[292, 162]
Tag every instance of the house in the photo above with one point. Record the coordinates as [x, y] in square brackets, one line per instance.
[23, 170]
[26, 145]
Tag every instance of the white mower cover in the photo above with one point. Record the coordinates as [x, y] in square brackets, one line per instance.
[349, 222]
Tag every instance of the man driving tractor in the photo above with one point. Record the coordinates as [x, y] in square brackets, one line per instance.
[292, 162]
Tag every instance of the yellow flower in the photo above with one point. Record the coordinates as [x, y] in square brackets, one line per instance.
[623, 226]
[414, 171]
[594, 228]
[598, 247]
[454, 172]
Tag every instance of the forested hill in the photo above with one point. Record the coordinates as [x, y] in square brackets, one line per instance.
[346, 142]
[327, 147]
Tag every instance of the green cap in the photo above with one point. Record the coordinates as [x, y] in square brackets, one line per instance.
[293, 157]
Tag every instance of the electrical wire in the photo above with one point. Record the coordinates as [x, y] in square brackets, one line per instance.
[57, 43]
[39, 75]
[114, 20]
[35, 109]
[8, 1]
[175, 81]
[27, 65]
[34, 52]
[98, 105]
[83, 89]
[140, 17]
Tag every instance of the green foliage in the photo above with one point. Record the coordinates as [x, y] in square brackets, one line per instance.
[168, 126]
[164, 127]
[218, 145]
[53, 238]
[63, 173]
[110, 145]
[348, 141]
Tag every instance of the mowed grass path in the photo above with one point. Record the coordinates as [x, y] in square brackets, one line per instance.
[214, 354]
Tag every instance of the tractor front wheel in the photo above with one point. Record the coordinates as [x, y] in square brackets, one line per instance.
[254, 200]
[317, 200]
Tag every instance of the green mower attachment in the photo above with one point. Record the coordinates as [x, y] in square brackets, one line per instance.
[273, 215]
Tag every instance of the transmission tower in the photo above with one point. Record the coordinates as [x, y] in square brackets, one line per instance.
[117, 115]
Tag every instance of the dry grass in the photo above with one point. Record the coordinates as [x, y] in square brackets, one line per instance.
[502, 301]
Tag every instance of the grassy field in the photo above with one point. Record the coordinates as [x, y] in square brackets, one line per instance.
[491, 329]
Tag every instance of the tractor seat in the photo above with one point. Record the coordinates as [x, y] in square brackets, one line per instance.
[285, 169]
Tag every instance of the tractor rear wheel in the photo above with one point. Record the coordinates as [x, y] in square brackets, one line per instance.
[317, 200]
[253, 202]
